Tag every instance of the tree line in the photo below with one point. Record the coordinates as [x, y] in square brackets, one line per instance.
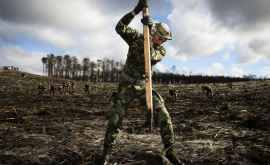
[69, 67]
[108, 70]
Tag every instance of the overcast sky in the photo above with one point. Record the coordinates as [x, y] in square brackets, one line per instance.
[216, 37]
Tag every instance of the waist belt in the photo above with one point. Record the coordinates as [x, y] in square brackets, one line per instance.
[126, 79]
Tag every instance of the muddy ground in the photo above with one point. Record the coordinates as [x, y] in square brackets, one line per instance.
[232, 128]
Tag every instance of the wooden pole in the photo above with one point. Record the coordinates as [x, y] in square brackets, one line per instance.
[148, 75]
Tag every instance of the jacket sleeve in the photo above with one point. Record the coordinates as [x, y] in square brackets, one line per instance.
[157, 54]
[126, 32]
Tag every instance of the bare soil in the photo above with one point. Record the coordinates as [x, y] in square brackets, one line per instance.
[232, 128]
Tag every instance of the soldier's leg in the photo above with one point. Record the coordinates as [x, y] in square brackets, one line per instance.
[166, 128]
[119, 106]
[164, 119]
[114, 122]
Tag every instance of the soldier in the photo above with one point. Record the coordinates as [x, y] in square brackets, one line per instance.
[173, 93]
[65, 87]
[23, 75]
[59, 88]
[131, 84]
[71, 87]
[230, 85]
[41, 89]
[52, 89]
[207, 90]
[86, 88]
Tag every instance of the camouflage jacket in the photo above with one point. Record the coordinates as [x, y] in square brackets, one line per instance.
[134, 67]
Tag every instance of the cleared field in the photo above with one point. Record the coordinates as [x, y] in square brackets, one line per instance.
[232, 127]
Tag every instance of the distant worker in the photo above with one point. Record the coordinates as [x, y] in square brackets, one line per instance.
[173, 94]
[40, 89]
[59, 88]
[86, 88]
[207, 90]
[71, 87]
[65, 87]
[52, 90]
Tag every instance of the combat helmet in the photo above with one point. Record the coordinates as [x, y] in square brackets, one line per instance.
[161, 29]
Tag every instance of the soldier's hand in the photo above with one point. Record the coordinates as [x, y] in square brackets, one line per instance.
[139, 7]
[147, 21]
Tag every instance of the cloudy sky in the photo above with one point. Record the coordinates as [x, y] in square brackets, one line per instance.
[215, 37]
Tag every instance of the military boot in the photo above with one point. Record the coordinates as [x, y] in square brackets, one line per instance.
[171, 156]
[101, 160]
[105, 160]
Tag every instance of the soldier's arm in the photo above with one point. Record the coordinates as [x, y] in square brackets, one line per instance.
[127, 33]
[157, 54]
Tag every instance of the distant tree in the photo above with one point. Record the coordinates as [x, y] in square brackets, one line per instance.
[44, 62]
[86, 66]
[51, 64]
[99, 70]
[113, 69]
[103, 70]
[119, 67]
[250, 76]
[74, 63]
[106, 69]
[79, 69]
[67, 65]
[59, 66]
[51, 61]
[93, 68]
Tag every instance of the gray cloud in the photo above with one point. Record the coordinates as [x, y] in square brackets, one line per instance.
[22, 14]
[74, 15]
[241, 14]
[29, 11]
[61, 12]
[157, 7]
[195, 33]
[207, 27]
[261, 46]
[76, 27]
[86, 27]
[248, 20]
[83, 25]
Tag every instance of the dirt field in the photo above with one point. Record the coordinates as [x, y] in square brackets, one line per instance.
[232, 128]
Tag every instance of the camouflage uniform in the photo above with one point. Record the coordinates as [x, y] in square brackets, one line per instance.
[131, 86]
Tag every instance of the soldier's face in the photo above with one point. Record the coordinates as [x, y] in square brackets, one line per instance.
[158, 40]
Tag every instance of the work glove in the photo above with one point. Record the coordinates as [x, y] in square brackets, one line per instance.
[139, 7]
[147, 21]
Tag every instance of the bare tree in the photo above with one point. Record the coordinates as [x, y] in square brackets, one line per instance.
[103, 70]
[99, 70]
[44, 62]
[112, 73]
[74, 63]
[51, 64]
[93, 67]
[86, 66]
[79, 69]
[59, 66]
[67, 65]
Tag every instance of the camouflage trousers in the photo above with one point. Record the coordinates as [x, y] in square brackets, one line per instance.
[120, 103]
